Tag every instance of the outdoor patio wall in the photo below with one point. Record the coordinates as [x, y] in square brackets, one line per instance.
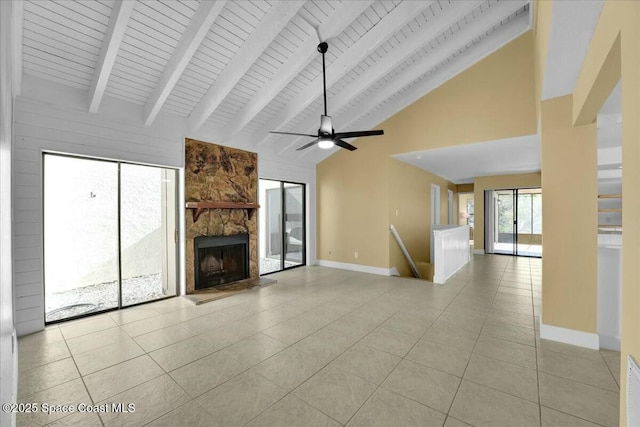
[496, 182]
[491, 100]
[54, 117]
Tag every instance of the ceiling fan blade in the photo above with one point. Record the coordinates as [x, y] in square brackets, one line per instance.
[293, 133]
[357, 134]
[304, 147]
[344, 144]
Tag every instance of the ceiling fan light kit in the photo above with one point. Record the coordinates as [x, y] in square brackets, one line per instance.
[327, 137]
[325, 143]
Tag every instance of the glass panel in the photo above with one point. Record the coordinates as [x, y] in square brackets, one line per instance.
[537, 213]
[80, 236]
[270, 225]
[530, 222]
[504, 243]
[524, 213]
[294, 224]
[147, 233]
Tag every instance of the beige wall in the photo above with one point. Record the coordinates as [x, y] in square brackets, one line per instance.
[464, 188]
[497, 182]
[614, 52]
[542, 11]
[353, 200]
[570, 215]
[352, 208]
[410, 211]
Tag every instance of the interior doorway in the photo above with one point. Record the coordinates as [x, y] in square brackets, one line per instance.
[282, 225]
[466, 212]
[517, 227]
[435, 204]
[109, 235]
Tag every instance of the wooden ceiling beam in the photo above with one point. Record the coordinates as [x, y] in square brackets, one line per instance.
[277, 17]
[489, 44]
[421, 37]
[118, 21]
[361, 49]
[333, 25]
[196, 31]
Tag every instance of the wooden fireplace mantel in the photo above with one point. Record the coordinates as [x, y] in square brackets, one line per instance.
[199, 207]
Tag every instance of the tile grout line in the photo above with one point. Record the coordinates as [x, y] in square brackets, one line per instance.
[471, 355]
[354, 344]
[343, 352]
[535, 343]
[82, 378]
[324, 366]
[609, 369]
[289, 346]
[404, 358]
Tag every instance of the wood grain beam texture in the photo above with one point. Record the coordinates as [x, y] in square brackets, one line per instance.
[335, 24]
[422, 37]
[394, 21]
[198, 28]
[270, 26]
[120, 14]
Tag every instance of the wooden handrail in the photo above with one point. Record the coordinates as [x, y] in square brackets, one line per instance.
[609, 196]
[610, 210]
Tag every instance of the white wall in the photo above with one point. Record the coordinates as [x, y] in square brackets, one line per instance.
[53, 117]
[8, 364]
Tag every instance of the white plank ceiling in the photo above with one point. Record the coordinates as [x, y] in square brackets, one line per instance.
[243, 68]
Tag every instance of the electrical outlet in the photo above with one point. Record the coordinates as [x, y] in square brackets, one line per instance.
[396, 212]
[355, 255]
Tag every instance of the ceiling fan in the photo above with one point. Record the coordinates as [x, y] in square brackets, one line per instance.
[327, 137]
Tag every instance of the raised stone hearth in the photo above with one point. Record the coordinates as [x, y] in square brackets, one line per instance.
[214, 173]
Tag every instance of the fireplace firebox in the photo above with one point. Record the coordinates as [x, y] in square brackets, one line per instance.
[220, 260]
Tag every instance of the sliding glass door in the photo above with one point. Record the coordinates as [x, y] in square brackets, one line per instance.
[147, 230]
[529, 222]
[294, 229]
[282, 225]
[518, 222]
[505, 236]
[109, 235]
[81, 270]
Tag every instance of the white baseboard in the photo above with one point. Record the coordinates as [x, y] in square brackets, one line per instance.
[569, 336]
[357, 267]
[478, 251]
[609, 342]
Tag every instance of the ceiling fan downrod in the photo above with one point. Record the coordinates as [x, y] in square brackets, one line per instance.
[327, 137]
[322, 48]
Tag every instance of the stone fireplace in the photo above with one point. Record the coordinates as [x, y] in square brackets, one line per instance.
[221, 189]
[220, 260]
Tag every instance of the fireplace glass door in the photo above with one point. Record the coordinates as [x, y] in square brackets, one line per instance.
[109, 235]
[282, 225]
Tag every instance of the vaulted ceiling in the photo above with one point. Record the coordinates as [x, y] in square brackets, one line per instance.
[243, 68]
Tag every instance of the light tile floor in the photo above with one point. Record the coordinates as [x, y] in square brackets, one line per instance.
[326, 347]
